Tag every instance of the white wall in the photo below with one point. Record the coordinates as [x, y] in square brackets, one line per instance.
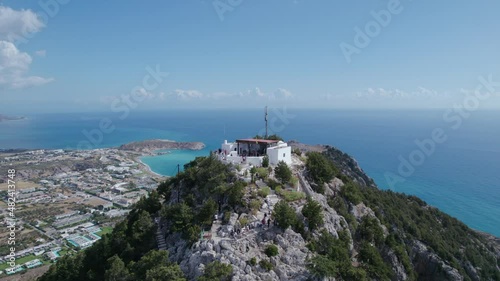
[255, 161]
[277, 154]
[228, 146]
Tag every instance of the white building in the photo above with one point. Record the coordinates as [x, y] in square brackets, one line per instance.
[253, 151]
[280, 152]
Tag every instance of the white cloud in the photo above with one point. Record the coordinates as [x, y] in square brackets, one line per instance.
[41, 53]
[421, 92]
[282, 94]
[257, 93]
[143, 94]
[18, 24]
[221, 95]
[194, 95]
[161, 96]
[187, 94]
[254, 93]
[14, 66]
[332, 97]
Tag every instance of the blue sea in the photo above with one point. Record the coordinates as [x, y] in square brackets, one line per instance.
[460, 176]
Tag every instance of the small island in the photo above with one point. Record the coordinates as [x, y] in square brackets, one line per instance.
[150, 146]
[10, 118]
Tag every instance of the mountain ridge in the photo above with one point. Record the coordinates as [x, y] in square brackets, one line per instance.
[364, 233]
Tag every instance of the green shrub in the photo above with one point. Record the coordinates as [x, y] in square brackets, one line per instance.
[262, 173]
[312, 211]
[300, 227]
[217, 271]
[297, 151]
[253, 261]
[192, 234]
[279, 190]
[273, 184]
[265, 162]
[321, 266]
[375, 265]
[263, 192]
[352, 193]
[290, 195]
[284, 215]
[294, 181]
[253, 172]
[255, 205]
[271, 250]
[283, 172]
[354, 273]
[206, 213]
[320, 168]
[226, 218]
[243, 221]
[370, 230]
[267, 265]
[180, 214]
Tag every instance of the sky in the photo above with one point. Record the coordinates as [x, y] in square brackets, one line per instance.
[70, 56]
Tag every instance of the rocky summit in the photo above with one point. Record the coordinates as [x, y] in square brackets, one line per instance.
[321, 218]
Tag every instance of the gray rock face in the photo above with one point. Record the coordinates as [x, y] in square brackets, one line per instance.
[361, 210]
[237, 249]
[288, 265]
[430, 266]
[397, 267]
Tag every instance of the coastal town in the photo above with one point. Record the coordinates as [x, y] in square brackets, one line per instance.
[65, 200]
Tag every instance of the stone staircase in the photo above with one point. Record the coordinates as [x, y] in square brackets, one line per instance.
[160, 237]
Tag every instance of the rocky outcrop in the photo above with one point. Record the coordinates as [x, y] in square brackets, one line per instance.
[430, 266]
[288, 265]
[349, 166]
[245, 250]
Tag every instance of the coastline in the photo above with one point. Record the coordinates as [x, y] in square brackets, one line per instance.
[148, 168]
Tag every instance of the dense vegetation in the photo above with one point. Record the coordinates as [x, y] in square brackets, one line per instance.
[408, 219]
[361, 251]
[126, 254]
[206, 186]
[320, 169]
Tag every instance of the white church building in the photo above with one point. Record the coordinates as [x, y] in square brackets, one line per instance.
[253, 151]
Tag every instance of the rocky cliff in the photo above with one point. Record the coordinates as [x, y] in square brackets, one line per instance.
[406, 255]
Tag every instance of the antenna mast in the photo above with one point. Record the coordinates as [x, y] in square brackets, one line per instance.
[265, 118]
